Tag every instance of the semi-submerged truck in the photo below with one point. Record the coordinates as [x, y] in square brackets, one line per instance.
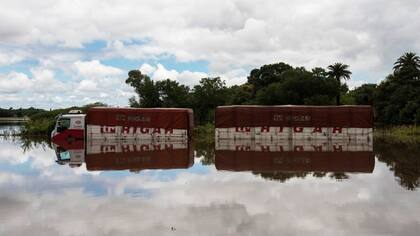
[107, 123]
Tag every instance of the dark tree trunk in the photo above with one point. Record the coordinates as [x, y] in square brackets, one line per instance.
[339, 91]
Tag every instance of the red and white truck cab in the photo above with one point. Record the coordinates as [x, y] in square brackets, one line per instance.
[69, 126]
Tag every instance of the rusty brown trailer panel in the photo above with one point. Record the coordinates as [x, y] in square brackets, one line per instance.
[294, 116]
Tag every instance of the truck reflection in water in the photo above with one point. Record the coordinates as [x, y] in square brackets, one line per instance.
[125, 155]
[283, 159]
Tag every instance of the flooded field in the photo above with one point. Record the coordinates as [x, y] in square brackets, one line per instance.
[235, 188]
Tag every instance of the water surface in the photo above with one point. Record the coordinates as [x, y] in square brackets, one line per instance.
[196, 190]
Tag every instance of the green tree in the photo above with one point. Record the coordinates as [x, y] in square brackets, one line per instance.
[298, 87]
[241, 94]
[396, 99]
[362, 95]
[407, 65]
[338, 71]
[319, 72]
[267, 75]
[145, 88]
[172, 94]
[210, 93]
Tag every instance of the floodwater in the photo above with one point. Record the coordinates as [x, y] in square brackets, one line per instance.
[209, 189]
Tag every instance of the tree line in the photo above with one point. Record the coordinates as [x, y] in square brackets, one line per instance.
[396, 99]
[20, 112]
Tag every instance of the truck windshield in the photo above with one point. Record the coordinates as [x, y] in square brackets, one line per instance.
[63, 124]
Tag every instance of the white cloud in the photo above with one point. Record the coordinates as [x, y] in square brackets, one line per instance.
[90, 80]
[14, 82]
[44, 80]
[95, 69]
[159, 72]
[87, 86]
[147, 69]
[8, 57]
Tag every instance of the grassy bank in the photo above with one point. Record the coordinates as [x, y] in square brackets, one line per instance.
[403, 133]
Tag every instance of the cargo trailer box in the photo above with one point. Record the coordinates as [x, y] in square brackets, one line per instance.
[294, 122]
[134, 123]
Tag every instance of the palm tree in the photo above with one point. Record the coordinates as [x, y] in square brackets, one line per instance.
[338, 71]
[408, 60]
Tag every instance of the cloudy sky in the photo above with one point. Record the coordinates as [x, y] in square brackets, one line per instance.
[56, 53]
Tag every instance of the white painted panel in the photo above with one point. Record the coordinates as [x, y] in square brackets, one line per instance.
[118, 146]
[293, 145]
[132, 133]
[307, 133]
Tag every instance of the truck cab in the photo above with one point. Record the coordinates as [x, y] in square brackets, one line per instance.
[69, 127]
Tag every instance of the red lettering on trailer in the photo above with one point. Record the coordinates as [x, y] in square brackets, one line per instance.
[337, 148]
[135, 148]
[107, 148]
[298, 148]
[265, 129]
[107, 129]
[125, 148]
[317, 130]
[242, 129]
[298, 129]
[156, 130]
[144, 147]
[337, 130]
[242, 148]
[265, 148]
[169, 146]
[125, 130]
[317, 148]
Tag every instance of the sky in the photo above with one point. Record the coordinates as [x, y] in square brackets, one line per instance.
[57, 53]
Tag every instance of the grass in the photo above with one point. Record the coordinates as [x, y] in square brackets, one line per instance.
[38, 127]
[402, 133]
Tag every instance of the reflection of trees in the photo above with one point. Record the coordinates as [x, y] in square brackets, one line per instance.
[338, 176]
[205, 148]
[402, 158]
[28, 143]
[319, 174]
[283, 176]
